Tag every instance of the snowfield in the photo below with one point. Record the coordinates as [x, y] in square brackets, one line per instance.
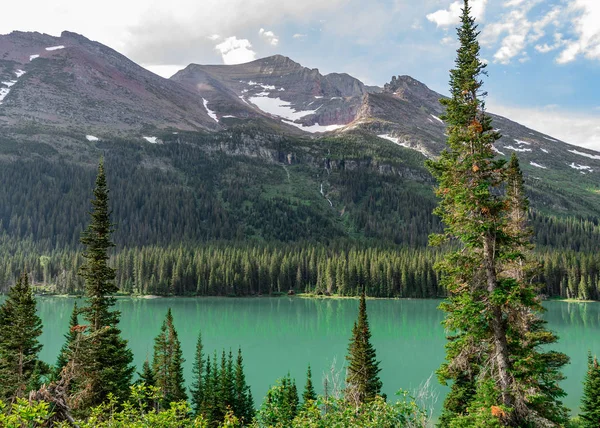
[211, 113]
[497, 151]
[581, 167]
[522, 142]
[152, 140]
[437, 118]
[279, 107]
[397, 141]
[92, 138]
[587, 155]
[314, 128]
[517, 149]
[537, 165]
[55, 48]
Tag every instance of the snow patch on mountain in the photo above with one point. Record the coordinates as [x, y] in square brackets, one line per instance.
[55, 48]
[497, 151]
[211, 113]
[587, 155]
[522, 142]
[153, 140]
[550, 139]
[92, 138]
[544, 150]
[517, 149]
[8, 84]
[262, 85]
[279, 107]
[397, 141]
[581, 167]
[437, 118]
[314, 128]
[537, 165]
[32, 57]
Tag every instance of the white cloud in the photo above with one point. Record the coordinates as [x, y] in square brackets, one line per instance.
[451, 16]
[299, 36]
[585, 24]
[165, 71]
[214, 37]
[516, 31]
[269, 37]
[236, 51]
[558, 42]
[581, 129]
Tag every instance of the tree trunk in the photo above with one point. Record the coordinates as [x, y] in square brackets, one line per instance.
[498, 325]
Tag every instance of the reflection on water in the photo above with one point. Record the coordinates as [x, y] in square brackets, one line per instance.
[281, 335]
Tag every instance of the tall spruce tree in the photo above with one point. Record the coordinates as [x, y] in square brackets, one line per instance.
[485, 299]
[167, 364]
[20, 327]
[309, 393]
[63, 355]
[362, 379]
[590, 401]
[197, 389]
[105, 358]
[243, 402]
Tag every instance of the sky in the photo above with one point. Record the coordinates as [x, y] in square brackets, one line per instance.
[543, 55]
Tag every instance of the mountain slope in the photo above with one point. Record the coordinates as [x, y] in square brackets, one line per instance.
[70, 81]
[237, 152]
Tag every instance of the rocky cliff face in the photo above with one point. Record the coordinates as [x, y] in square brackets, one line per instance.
[277, 88]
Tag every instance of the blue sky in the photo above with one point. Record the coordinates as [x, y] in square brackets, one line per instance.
[544, 55]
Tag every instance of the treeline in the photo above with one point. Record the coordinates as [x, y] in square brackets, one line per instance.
[222, 269]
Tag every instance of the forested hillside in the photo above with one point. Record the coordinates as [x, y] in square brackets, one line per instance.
[329, 215]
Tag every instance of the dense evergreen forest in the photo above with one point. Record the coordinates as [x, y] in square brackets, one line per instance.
[243, 226]
[225, 269]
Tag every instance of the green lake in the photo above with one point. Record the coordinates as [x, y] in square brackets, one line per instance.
[281, 335]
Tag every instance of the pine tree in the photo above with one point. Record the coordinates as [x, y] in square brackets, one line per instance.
[146, 377]
[362, 379]
[590, 402]
[197, 389]
[167, 364]
[107, 361]
[20, 327]
[243, 402]
[63, 355]
[485, 279]
[309, 393]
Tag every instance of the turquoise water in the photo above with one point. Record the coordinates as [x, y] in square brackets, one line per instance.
[281, 335]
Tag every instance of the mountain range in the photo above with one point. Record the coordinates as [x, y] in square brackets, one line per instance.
[311, 144]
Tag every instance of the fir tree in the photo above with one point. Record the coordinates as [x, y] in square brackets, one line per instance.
[309, 393]
[362, 379]
[243, 402]
[167, 364]
[107, 361]
[489, 299]
[63, 355]
[197, 389]
[20, 327]
[590, 402]
[147, 375]
[226, 388]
